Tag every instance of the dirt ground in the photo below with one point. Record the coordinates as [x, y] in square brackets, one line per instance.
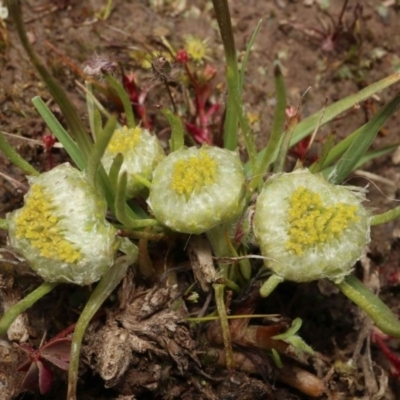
[163, 361]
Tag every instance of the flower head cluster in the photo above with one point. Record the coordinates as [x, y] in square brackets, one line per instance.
[61, 229]
[196, 48]
[194, 189]
[3, 11]
[142, 152]
[310, 229]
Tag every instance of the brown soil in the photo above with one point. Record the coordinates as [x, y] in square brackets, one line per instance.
[145, 350]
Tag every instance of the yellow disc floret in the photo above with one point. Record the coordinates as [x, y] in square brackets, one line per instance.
[313, 224]
[196, 48]
[193, 173]
[124, 140]
[38, 223]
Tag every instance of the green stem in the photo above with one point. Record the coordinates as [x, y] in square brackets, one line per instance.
[28, 301]
[104, 288]
[386, 216]
[270, 285]
[226, 334]
[220, 247]
[379, 312]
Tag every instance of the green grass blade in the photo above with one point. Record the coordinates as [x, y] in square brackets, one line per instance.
[60, 133]
[371, 155]
[177, 131]
[10, 152]
[362, 142]
[126, 103]
[247, 53]
[99, 148]
[114, 170]
[277, 127]
[232, 73]
[326, 148]
[124, 214]
[307, 125]
[69, 112]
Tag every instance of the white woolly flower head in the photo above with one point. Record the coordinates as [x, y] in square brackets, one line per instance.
[195, 189]
[61, 229]
[310, 229]
[3, 11]
[142, 152]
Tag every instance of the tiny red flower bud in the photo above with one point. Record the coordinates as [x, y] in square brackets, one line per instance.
[182, 57]
[48, 141]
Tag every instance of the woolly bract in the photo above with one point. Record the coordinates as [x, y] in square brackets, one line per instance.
[61, 229]
[142, 152]
[309, 229]
[195, 189]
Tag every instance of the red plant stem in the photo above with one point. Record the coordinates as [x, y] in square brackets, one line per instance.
[200, 102]
[392, 357]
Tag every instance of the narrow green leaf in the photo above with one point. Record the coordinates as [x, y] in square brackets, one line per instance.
[326, 148]
[371, 155]
[114, 170]
[362, 142]
[292, 330]
[67, 108]
[99, 148]
[98, 124]
[378, 311]
[277, 127]
[247, 53]
[60, 133]
[177, 130]
[307, 125]
[340, 148]
[10, 152]
[103, 290]
[240, 115]
[128, 219]
[28, 301]
[283, 149]
[126, 103]
[232, 73]
[90, 108]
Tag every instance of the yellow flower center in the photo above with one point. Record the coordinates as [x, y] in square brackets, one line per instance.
[313, 224]
[196, 48]
[192, 174]
[124, 140]
[38, 223]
